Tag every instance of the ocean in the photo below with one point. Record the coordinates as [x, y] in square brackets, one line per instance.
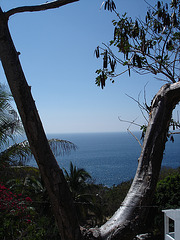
[110, 158]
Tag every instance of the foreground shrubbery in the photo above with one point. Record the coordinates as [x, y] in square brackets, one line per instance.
[15, 213]
[167, 196]
[26, 212]
[25, 208]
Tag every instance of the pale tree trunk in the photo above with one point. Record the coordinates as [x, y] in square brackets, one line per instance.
[60, 196]
[130, 218]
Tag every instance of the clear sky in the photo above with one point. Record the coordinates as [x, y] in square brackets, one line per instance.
[57, 55]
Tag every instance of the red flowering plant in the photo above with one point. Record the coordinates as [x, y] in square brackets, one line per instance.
[15, 213]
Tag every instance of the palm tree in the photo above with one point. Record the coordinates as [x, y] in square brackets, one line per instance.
[79, 181]
[10, 127]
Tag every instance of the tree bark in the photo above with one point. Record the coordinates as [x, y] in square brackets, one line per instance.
[130, 218]
[41, 7]
[60, 196]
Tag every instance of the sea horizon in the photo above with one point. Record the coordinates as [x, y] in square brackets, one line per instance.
[110, 157]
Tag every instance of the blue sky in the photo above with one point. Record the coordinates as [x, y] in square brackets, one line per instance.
[57, 55]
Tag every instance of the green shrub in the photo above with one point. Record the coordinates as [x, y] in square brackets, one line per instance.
[167, 196]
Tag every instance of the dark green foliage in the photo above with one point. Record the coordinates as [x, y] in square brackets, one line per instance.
[168, 192]
[95, 203]
[81, 186]
[27, 182]
[77, 179]
[167, 196]
[150, 46]
[10, 124]
[109, 5]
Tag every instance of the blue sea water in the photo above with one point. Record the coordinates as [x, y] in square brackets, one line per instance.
[111, 158]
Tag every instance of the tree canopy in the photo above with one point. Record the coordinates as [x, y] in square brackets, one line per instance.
[144, 46]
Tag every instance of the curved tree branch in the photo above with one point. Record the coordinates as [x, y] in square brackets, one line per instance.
[41, 7]
[130, 218]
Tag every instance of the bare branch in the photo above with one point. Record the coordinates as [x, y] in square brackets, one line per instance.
[131, 122]
[135, 137]
[145, 103]
[137, 101]
[149, 5]
[162, 80]
[41, 7]
[128, 129]
[174, 133]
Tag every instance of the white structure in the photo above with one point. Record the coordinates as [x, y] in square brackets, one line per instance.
[174, 215]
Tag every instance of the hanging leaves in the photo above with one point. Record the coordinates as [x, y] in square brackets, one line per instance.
[143, 45]
[102, 80]
[97, 52]
[105, 59]
[110, 5]
[174, 3]
[112, 64]
[135, 30]
[137, 61]
[148, 16]
[172, 138]
[129, 70]
[174, 19]
[115, 33]
[158, 4]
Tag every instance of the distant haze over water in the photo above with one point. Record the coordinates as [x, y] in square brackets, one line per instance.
[110, 158]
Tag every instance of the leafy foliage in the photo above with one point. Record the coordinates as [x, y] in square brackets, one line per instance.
[78, 180]
[27, 185]
[25, 181]
[149, 46]
[15, 213]
[60, 147]
[26, 217]
[10, 124]
[167, 196]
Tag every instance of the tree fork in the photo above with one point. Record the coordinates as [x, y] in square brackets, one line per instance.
[130, 218]
[59, 193]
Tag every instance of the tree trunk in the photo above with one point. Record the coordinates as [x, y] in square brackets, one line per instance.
[130, 218]
[60, 196]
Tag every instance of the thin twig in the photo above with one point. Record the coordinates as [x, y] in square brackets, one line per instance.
[129, 122]
[134, 137]
[140, 105]
[128, 129]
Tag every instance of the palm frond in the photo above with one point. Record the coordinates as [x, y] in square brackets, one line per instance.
[60, 147]
[10, 124]
[16, 154]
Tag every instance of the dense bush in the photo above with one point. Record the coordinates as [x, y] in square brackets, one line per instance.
[26, 211]
[167, 196]
[15, 213]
